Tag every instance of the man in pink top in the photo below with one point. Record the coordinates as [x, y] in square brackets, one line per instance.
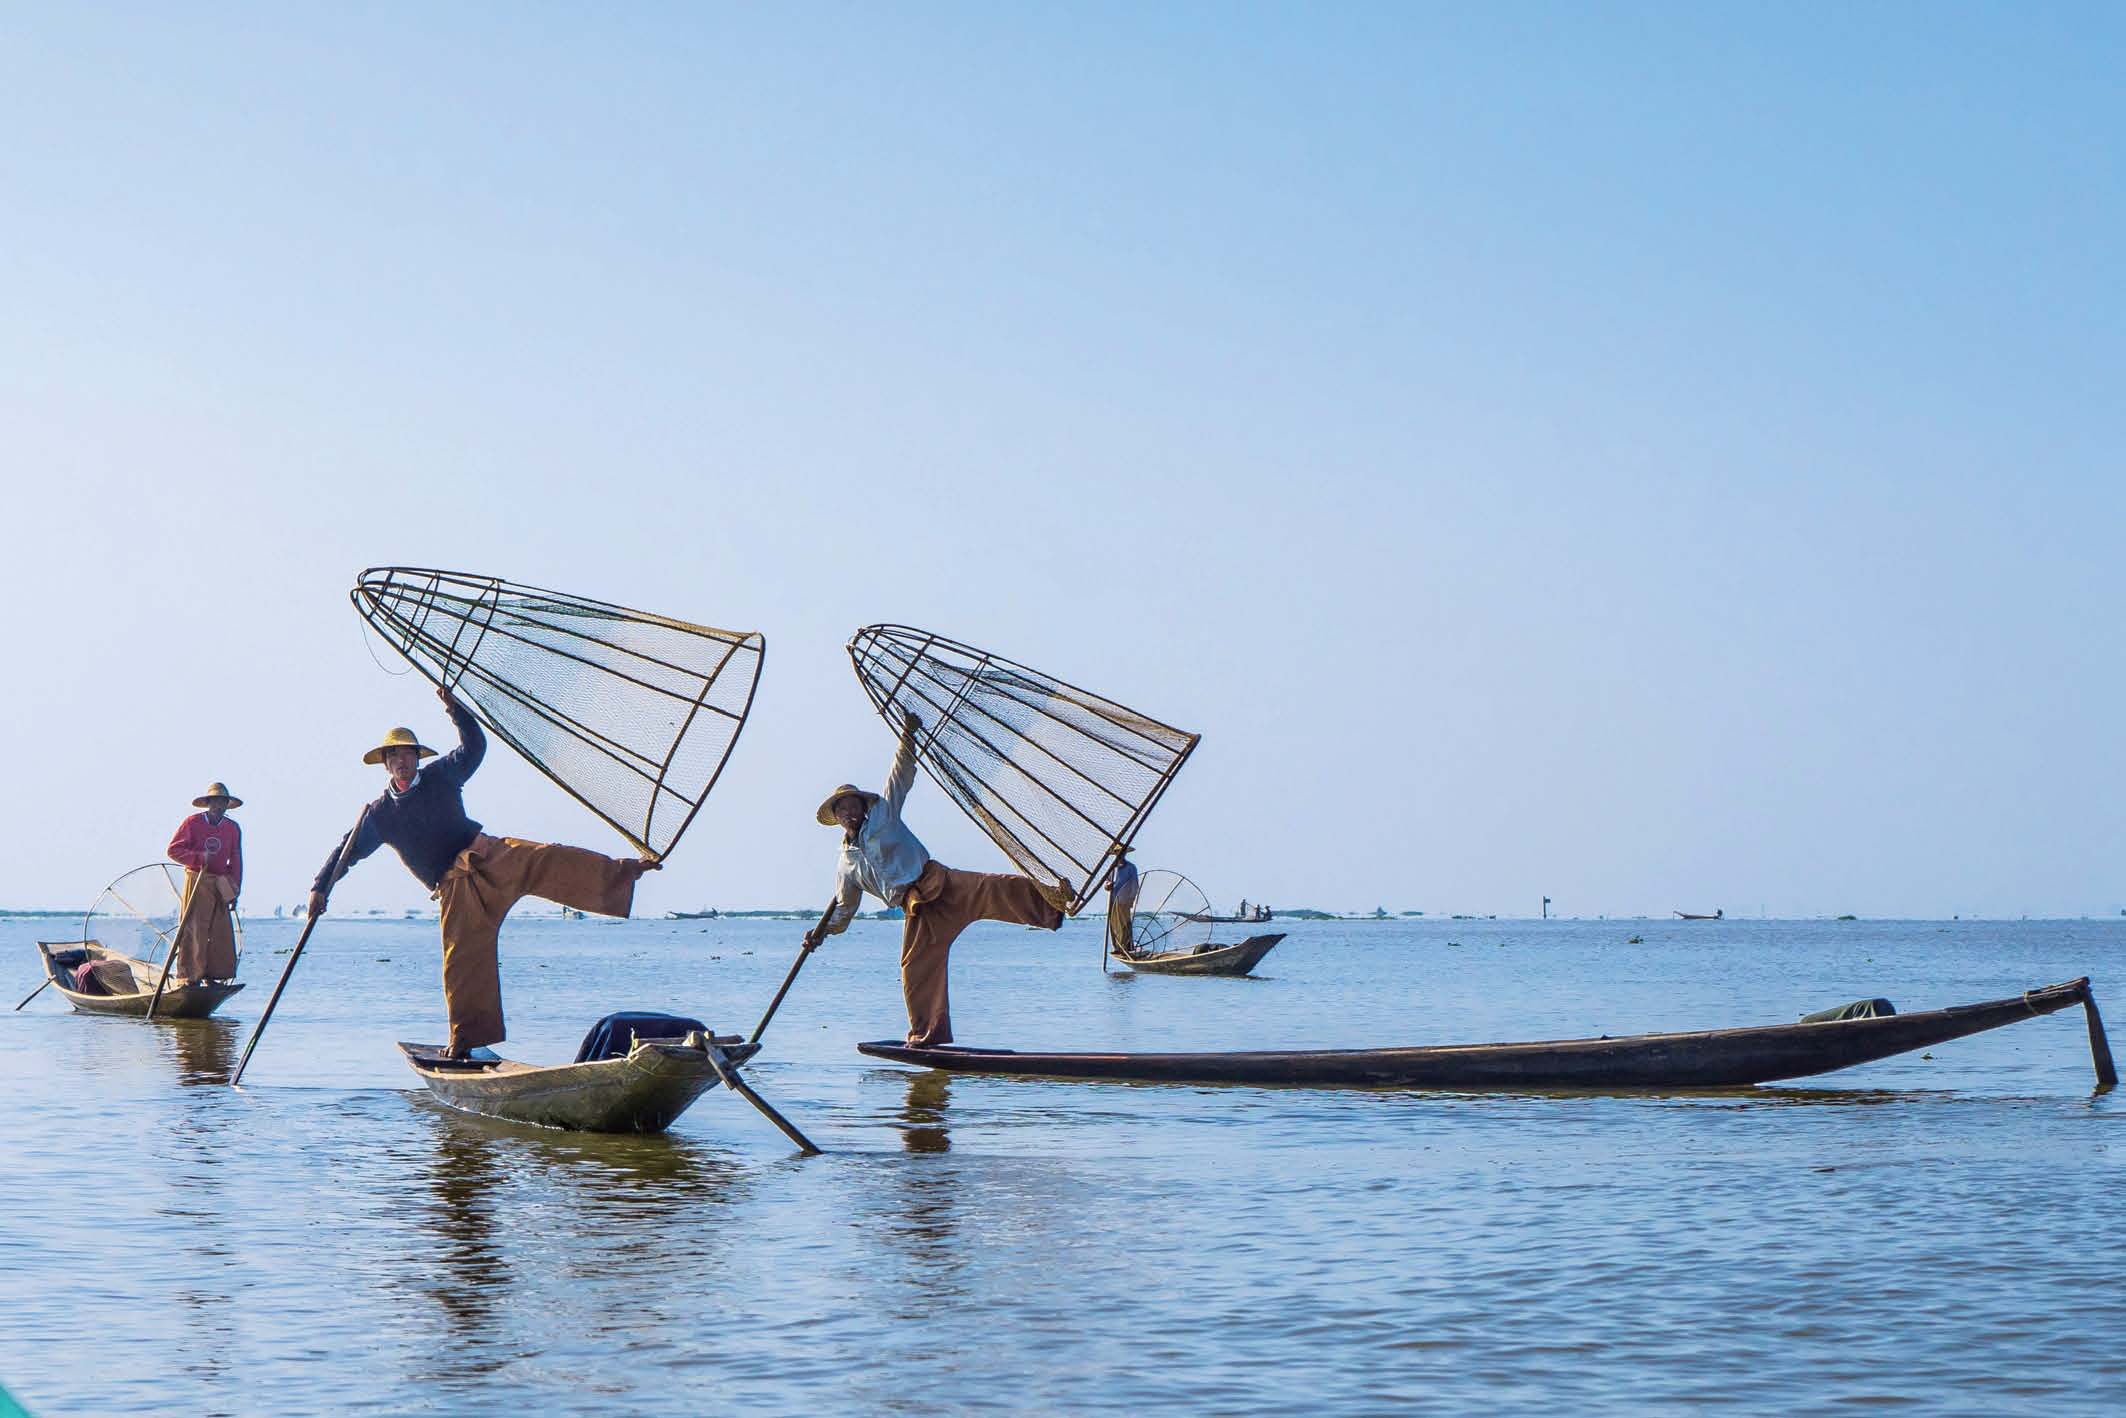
[210, 848]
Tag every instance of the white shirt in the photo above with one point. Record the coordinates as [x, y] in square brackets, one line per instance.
[885, 859]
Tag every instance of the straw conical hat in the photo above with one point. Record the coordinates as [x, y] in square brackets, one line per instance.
[221, 791]
[398, 738]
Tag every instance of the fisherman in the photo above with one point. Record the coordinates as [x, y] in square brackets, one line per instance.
[880, 855]
[210, 847]
[1123, 885]
[477, 878]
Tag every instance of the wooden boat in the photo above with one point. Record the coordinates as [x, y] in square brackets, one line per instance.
[180, 1000]
[691, 915]
[1252, 918]
[1714, 1058]
[1719, 915]
[1205, 959]
[642, 1091]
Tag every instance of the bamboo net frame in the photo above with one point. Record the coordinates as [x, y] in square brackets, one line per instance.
[1060, 778]
[631, 713]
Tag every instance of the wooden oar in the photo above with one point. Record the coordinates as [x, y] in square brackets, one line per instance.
[169, 954]
[338, 867]
[38, 991]
[737, 1085]
[2107, 1075]
[795, 966]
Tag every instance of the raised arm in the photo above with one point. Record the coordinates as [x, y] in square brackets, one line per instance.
[901, 776]
[464, 760]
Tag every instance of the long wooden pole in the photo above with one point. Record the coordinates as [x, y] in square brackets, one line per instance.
[38, 991]
[2107, 1074]
[339, 867]
[737, 1085]
[169, 956]
[795, 966]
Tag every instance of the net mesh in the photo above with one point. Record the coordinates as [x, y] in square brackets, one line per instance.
[1168, 916]
[1058, 777]
[633, 714]
[136, 915]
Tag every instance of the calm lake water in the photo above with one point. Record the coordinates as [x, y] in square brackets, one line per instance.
[1940, 1233]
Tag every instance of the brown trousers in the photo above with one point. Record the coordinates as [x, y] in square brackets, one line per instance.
[488, 878]
[206, 941]
[941, 903]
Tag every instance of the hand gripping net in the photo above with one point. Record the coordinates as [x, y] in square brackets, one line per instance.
[632, 714]
[1060, 778]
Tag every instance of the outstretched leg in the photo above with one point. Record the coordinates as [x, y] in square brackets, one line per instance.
[942, 903]
[568, 876]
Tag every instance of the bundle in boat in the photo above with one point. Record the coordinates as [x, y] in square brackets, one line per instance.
[124, 950]
[1058, 777]
[633, 714]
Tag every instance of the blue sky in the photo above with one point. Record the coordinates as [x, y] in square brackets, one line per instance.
[1651, 456]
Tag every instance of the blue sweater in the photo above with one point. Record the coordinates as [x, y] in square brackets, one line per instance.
[426, 824]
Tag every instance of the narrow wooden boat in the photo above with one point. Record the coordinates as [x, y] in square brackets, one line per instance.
[1714, 1058]
[179, 1000]
[641, 1091]
[1719, 915]
[1213, 960]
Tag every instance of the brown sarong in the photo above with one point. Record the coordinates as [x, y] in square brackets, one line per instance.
[941, 903]
[206, 941]
[488, 878]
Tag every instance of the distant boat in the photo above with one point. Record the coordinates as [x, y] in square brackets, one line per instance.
[691, 915]
[1207, 959]
[1719, 915]
[570, 913]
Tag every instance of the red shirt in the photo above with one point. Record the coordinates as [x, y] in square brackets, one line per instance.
[216, 847]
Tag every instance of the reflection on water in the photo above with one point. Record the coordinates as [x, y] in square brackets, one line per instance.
[464, 1177]
[923, 1115]
[204, 1049]
[329, 1240]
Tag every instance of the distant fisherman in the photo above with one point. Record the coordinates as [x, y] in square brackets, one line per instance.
[210, 847]
[477, 878]
[880, 855]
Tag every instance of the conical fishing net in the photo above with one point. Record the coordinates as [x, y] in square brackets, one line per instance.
[632, 714]
[1169, 916]
[136, 915]
[1059, 777]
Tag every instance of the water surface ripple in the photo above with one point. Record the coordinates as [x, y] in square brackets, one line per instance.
[1940, 1233]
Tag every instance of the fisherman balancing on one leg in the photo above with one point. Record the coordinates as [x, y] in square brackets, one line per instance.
[477, 878]
[210, 847]
[880, 855]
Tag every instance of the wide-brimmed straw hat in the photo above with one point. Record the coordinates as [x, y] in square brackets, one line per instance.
[826, 809]
[398, 738]
[217, 792]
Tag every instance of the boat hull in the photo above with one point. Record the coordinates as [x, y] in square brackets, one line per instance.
[178, 1001]
[1717, 1058]
[645, 1091]
[1223, 960]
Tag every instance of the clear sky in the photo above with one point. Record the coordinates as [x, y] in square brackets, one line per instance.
[1653, 456]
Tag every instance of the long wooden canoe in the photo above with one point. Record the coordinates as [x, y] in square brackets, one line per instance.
[643, 1091]
[1713, 1058]
[180, 1000]
[1216, 960]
